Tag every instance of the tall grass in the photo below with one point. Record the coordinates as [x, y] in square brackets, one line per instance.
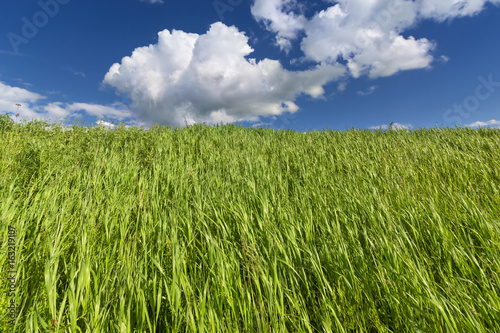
[226, 229]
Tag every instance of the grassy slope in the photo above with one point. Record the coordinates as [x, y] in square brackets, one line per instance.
[230, 229]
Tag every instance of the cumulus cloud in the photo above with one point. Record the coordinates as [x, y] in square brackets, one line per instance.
[187, 77]
[368, 35]
[491, 123]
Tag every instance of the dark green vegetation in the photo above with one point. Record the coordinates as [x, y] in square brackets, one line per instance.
[226, 229]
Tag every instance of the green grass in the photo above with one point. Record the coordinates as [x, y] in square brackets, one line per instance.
[226, 229]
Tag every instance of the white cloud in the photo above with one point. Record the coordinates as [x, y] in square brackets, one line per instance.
[115, 111]
[395, 126]
[10, 96]
[276, 16]
[444, 59]
[106, 124]
[57, 111]
[32, 107]
[368, 35]
[442, 10]
[209, 78]
[491, 123]
[260, 124]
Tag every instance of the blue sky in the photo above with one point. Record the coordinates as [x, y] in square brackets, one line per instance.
[301, 65]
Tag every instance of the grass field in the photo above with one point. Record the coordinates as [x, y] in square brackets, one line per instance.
[227, 229]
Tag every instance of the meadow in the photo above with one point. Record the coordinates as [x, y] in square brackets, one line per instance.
[232, 229]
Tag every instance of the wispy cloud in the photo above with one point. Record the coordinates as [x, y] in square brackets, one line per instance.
[74, 72]
[153, 1]
[444, 59]
[23, 83]
[368, 91]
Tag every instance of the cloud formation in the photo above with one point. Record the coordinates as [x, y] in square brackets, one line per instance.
[368, 35]
[11, 96]
[187, 77]
[116, 111]
[277, 17]
[33, 106]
